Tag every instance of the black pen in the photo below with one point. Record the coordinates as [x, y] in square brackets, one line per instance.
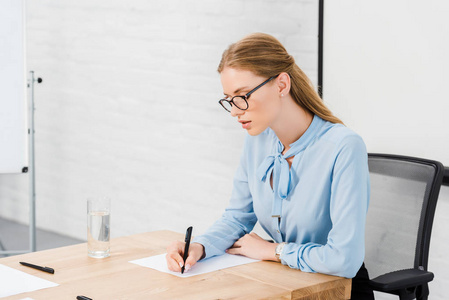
[186, 248]
[45, 269]
[83, 298]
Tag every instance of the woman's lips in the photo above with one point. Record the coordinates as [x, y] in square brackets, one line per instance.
[245, 124]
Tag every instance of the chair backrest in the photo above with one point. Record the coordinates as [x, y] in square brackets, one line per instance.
[404, 192]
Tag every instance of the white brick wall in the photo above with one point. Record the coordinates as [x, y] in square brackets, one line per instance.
[128, 108]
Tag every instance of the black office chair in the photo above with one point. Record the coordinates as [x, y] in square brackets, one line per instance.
[446, 176]
[404, 193]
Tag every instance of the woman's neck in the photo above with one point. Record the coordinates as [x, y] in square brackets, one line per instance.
[291, 123]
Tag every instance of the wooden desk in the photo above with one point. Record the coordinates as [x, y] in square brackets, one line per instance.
[115, 278]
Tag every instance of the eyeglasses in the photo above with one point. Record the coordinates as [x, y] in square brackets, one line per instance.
[241, 101]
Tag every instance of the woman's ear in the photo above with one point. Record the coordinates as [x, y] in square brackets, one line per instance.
[283, 82]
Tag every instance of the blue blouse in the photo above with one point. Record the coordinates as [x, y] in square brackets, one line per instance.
[318, 206]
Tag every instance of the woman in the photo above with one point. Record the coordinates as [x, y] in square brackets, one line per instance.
[303, 175]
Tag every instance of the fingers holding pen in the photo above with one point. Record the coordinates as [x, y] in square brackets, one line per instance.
[196, 252]
[175, 253]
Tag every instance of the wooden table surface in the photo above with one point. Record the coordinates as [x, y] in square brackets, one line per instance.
[115, 278]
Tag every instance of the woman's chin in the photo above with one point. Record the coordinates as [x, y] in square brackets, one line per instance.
[254, 131]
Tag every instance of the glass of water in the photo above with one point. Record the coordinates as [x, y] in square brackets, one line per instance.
[98, 227]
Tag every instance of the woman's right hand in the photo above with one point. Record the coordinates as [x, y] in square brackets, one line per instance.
[175, 253]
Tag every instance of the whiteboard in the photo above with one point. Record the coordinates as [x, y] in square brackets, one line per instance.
[386, 73]
[13, 100]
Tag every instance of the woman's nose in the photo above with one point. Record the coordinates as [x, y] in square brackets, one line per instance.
[236, 111]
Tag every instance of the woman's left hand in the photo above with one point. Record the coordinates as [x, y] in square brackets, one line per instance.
[253, 246]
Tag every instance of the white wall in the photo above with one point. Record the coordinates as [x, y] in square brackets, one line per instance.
[385, 73]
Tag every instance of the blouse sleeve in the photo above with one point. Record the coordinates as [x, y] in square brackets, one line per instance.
[237, 220]
[344, 251]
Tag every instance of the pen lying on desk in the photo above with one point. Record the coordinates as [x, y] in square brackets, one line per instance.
[45, 269]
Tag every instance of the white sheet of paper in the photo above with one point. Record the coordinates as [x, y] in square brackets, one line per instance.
[215, 263]
[13, 282]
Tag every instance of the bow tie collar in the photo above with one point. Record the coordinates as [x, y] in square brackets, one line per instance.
[277, 162]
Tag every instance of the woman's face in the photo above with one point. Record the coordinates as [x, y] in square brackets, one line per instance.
[263, 105]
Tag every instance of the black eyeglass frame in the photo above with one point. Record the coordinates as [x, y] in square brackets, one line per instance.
[244, 97]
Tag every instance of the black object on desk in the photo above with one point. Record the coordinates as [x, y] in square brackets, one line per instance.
[186, 248]
[83, 298]
[45, 269]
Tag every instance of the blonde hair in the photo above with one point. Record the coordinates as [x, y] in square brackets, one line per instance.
[265, 56]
